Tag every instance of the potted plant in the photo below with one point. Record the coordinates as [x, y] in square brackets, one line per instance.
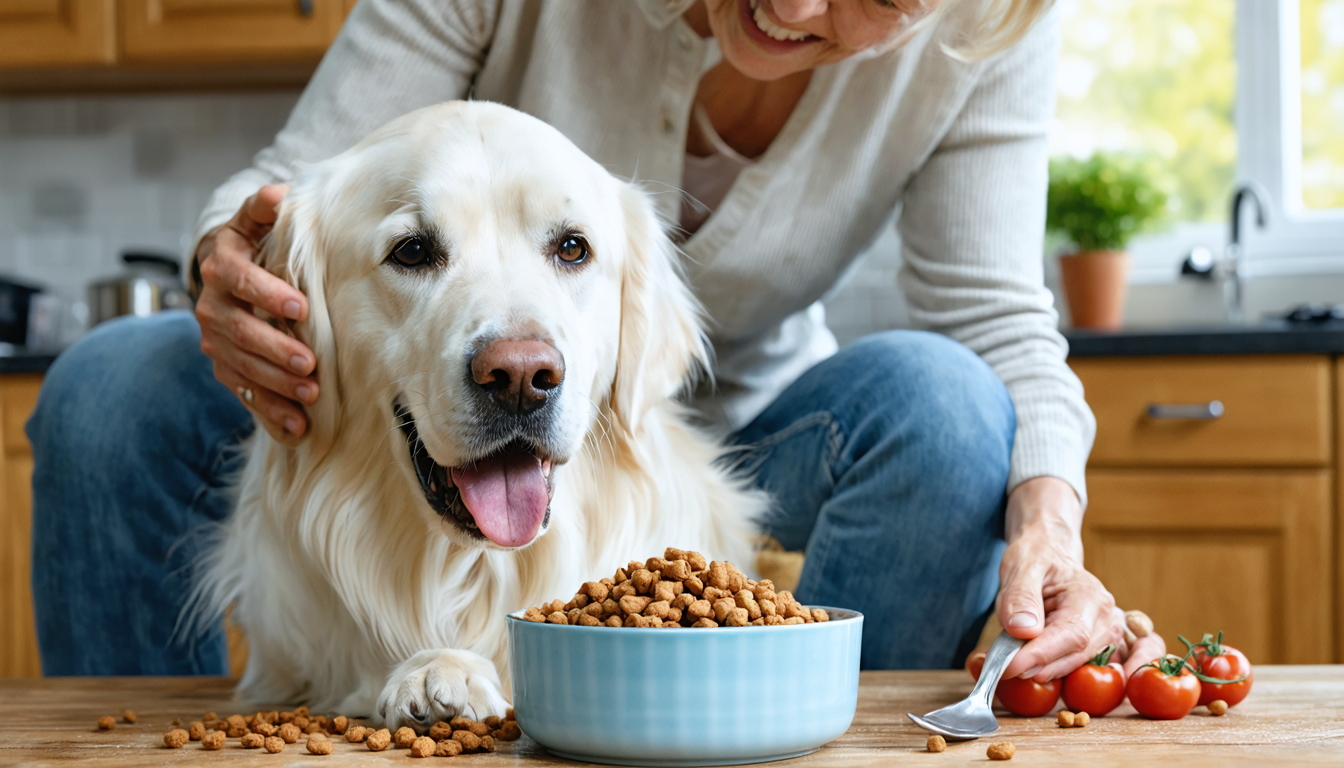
[1098, 204]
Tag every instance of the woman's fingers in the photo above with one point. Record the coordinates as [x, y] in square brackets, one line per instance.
[1020, 607]
[276, 414]
[258, 212]
[1080, 625]
[229, 269]
[1145, 650]
[233, 332]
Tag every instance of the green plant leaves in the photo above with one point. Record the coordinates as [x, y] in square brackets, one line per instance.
[1103, 201]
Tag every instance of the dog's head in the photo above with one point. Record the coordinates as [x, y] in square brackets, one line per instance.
[489, 296]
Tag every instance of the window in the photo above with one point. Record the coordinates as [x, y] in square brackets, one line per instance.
[1219, 92]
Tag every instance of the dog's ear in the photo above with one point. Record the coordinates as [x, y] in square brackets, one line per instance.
[661, 340]
[294, 251]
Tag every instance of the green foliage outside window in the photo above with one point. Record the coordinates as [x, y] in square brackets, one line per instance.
[1103, 201]
[1322, 42]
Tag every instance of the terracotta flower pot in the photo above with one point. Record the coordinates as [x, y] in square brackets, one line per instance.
[1094, 285]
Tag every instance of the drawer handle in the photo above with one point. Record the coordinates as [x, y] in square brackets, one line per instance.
[1200, 411]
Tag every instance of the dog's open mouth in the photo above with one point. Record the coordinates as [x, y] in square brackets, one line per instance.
[504, 496]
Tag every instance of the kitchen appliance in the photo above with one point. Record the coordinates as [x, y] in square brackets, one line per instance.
[151, 283]
[15, 299]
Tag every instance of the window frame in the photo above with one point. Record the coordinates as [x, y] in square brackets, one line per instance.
[1268, 118]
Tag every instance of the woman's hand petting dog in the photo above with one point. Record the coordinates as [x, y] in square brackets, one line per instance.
[440, 685]
[1046, 596]
[267, 369]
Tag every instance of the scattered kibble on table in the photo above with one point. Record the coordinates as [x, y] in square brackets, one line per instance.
[1217, 707]
[129, 716]
[1081, 719]
[319, 746]
[423, 746]
[1064, 718]
[1001, 750]
[175, 738]
[106, 723]
[937, 743]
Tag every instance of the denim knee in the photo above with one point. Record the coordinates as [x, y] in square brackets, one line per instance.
[927, 389]
[128, 386]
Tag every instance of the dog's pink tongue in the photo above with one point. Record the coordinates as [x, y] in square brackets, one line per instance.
[507, 496]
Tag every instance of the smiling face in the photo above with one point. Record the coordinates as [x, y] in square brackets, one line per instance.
[474, 268]
[770, 39]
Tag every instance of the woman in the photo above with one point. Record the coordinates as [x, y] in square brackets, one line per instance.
[802, 129]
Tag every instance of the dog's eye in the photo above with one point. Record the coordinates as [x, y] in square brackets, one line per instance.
[410, 252]
[572, 250]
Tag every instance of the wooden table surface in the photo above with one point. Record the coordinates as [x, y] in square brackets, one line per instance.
[1294, 716]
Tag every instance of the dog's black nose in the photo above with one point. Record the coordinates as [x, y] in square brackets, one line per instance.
[518, 374]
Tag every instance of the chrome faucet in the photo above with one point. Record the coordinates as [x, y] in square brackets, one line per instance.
[1228, 270]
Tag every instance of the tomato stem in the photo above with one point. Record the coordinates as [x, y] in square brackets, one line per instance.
[1103, 658]
[1213, 647]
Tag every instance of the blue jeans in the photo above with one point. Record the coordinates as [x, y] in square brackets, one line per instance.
[887, 463]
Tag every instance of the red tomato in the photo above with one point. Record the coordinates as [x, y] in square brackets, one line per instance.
[1096, 687]
[1213, 659]
[1162, 690]
[1025, 698]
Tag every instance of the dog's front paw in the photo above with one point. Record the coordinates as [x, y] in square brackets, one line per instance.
[440, 685]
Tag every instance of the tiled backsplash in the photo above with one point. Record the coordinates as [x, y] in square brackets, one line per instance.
[83, 179]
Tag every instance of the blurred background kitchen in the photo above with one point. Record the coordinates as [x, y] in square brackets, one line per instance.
[1215, 377]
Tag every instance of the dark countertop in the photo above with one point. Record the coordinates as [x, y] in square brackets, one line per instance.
[23, 361]
[1272, 337]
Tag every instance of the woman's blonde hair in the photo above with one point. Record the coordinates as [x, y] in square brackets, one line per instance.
[1003, 24]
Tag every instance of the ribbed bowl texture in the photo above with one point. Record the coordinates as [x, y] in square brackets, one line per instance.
[680, 697]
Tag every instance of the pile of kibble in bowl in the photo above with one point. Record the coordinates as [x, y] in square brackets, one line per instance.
[678, 589]
[273, 731]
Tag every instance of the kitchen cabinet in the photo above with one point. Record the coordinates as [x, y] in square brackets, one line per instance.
[46, 33]
[55, 46]
[1226, 521]
[18, 634]
[235, 31]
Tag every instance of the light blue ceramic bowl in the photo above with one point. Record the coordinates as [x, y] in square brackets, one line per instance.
[679, 697]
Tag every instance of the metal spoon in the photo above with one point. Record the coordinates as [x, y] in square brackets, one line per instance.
[971, 717]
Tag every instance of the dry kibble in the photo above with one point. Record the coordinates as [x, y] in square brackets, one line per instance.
[128, 715]
[213, 740]
[422, 747]
[509, 714]
[1081, 719]
[1064, 718]
[289, 732]
[937, 743]
[437, 731]
[469, 740]
[210, 716]
[253, 740]
[737, 617]
[286, 717]
[314, 727]
[508, 731]
[557, 617]
[301, 711]
[1001, 750]
[378, 740]
[534, 614]
[302, 721]
[480, 729]
[614, 621]
[320, 746]
[264, 728]
[595, 590]
[197, 730]
[106, 723]
[340, 723]
[404, 736]
[448, 748]
[487, 744]
[356, 734]
[274, 744]
[494, 721]
[175, 738]
[1217, 707]
[705, 623]
[1138, 623]
[820, 614]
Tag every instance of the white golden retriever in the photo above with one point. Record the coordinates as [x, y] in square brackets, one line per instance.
[500, 327]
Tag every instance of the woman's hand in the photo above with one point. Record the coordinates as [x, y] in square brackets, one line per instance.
[1046, 596]
[250, 355]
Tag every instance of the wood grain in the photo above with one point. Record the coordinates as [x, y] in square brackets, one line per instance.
[18, 634]
[40, 34]
[226, 31]
[1294, 716]
[1202, 550]
[1277, 410]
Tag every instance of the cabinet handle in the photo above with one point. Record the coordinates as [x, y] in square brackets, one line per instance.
[306, 7]
[1200, 411]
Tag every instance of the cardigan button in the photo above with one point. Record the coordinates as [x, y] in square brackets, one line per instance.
[669, 125]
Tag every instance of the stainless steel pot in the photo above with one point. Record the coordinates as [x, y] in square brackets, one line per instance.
[151, 283]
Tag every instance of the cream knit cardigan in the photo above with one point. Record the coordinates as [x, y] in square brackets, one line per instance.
[952, 152]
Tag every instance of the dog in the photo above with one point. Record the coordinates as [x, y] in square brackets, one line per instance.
[500, 329]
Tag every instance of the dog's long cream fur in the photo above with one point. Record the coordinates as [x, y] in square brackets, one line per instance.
[352, 594]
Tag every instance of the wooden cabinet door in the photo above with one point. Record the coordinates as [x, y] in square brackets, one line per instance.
[228, 31]
[54, 33]
[18, 633]
[1244, 551]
